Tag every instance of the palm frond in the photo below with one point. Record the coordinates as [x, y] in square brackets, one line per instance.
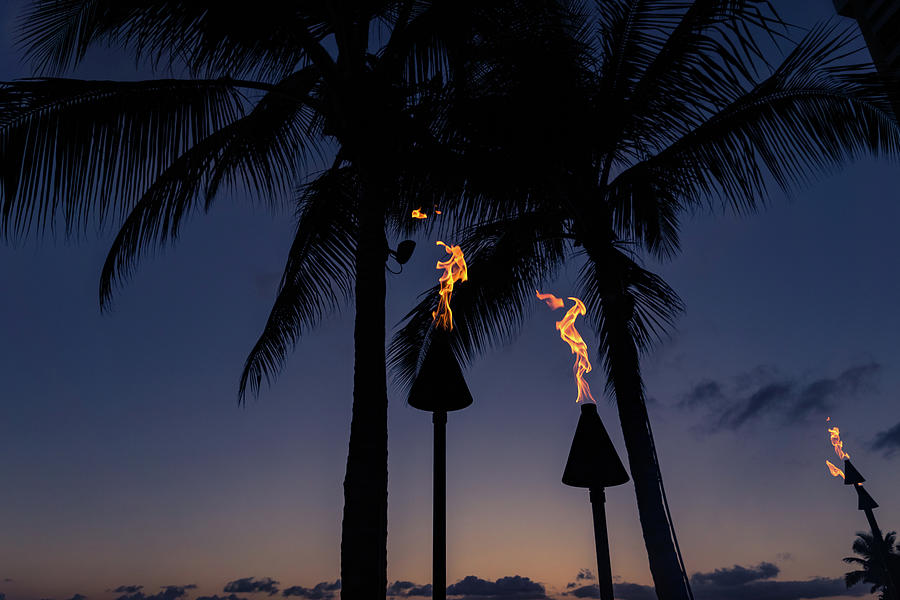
[76, 149]
[614, 286]
[507, 261]
[263, 151]
[318, 275]
[208, 37]
[807, 118]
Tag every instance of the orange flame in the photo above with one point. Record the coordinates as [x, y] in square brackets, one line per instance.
[568, 333]
[454, 270]
[418, 214]
[837, 443]
[834, 470]
[437, 212]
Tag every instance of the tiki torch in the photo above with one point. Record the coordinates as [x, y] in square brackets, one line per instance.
[866, 504]
[594, 464]
[439, 388]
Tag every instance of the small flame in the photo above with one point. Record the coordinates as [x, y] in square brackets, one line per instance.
[834, 470]
[454, 270]
[837, 443]
[568, 333]
[552, 301]
[437, 212]
[418, 214]
[827, 419]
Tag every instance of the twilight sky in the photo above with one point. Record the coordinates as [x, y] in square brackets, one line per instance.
[127, 462]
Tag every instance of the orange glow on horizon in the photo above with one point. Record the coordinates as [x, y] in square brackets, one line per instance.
[418, 214]
[570, 335]
[455, 269]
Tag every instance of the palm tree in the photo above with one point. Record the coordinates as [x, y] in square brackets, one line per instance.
[671, 107]
[361, 82]
[871, 570]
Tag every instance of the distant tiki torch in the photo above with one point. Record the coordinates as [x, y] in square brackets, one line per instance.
[594, 464]
[866, 504]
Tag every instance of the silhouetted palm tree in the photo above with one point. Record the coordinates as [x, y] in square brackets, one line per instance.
[672, 108]
[362, 81]
[872, 570]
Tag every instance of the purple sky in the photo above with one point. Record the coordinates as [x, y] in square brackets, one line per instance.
[126, 460]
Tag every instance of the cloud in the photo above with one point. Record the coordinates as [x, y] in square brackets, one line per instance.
[818, 397]
[78, 597]
[406, 589]
[249, 585]
[169, 592]
[2, 596]
[887, 441]
[506, 588]
[702, 394]
[320, 591]
[7, 580]
[763, 400]
[763, 391]
[214, 597]
[736, 575]
[128, 589]
[585, 575]
[739, 583]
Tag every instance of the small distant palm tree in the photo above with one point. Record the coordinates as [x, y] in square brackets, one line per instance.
[871, 570]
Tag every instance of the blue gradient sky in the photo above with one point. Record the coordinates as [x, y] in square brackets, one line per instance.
[126, 460]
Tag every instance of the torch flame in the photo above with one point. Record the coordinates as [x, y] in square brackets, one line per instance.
[834, 470]
[837, 443]
[568, 333]
[454, 270]
[418, 214]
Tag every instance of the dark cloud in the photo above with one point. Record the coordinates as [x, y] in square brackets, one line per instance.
[585, 575]
[320, 591]
[128, 589]
[2, 596]
[506, 588]
[78, 597]
[736, 575]
[168, 592]
[888, 441]
[764, 391]
[7, 580]
[250, 585]
[229, 597]
[820, 587]
[407, 589]
[703, 393]
[739, 583]
[818, 397]
[763, 400]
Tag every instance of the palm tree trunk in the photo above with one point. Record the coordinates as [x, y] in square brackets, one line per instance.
[364, 530]
[624, 369]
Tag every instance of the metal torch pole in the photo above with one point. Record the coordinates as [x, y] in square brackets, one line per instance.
[881, 550]
[601, 540]
[439, 534]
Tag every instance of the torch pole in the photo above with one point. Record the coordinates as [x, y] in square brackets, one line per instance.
[439, 533]
[882, 551]
[601, 540]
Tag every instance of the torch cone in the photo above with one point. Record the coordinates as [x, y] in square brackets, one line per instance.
[594, 464]
[851, 475]
[439, 388]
